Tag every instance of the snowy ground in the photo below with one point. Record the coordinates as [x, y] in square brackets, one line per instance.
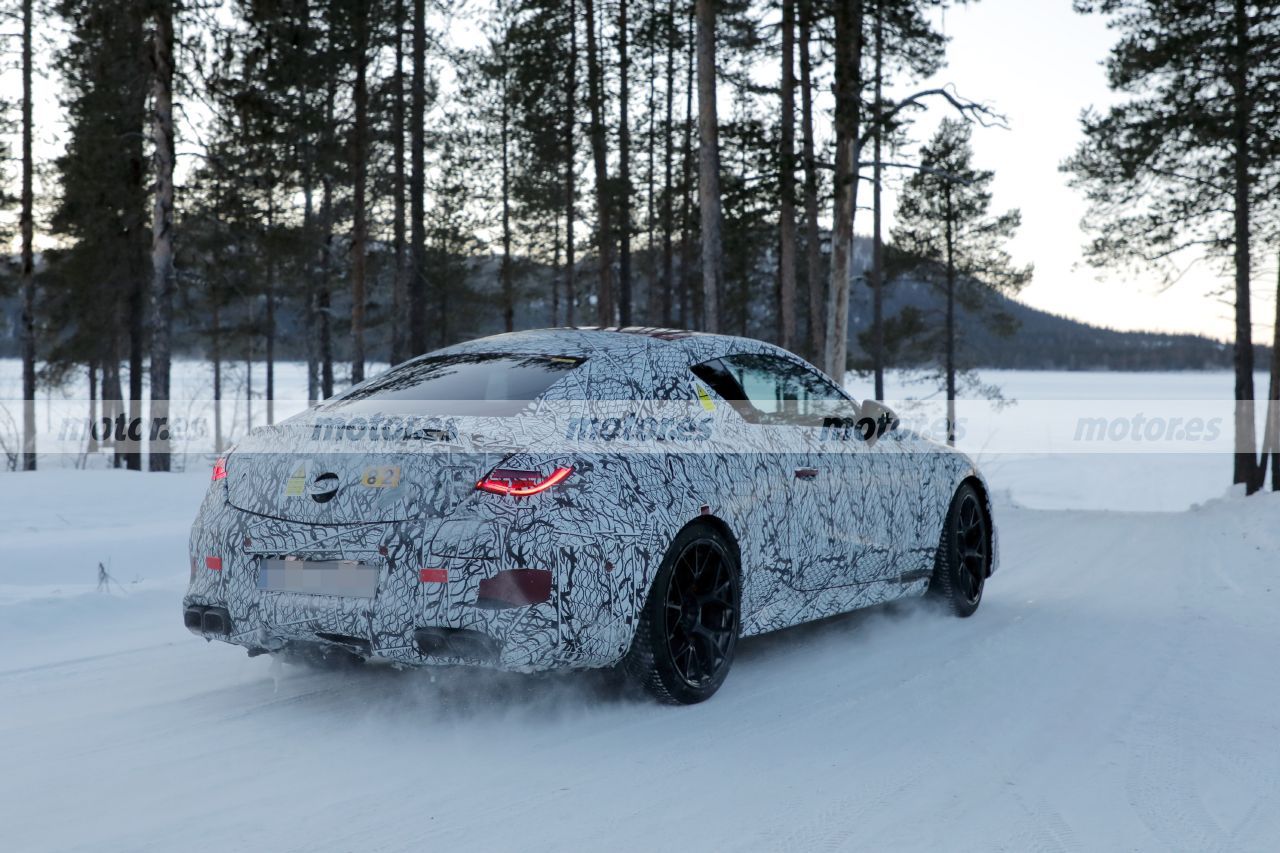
[1117, 690]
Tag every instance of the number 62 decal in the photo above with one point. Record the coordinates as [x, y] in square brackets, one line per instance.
[381, 477]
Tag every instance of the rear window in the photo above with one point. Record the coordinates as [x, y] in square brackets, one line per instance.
[481, 384]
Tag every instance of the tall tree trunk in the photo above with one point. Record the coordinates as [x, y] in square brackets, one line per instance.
[877, 245]
[269, 322]
[135, 237]
[312, 315]
[27, 270]
[709, 166]
[1246, 469]
[215, 326]
[92, 444]
[323, 308]
[399, 297]
[668, 190]
[787, 185]
[570, 175]
[555, 266]
[653, 308]
[812, 245]
[848, 89]
[360, 225]
[112, 395]
[248, 380]
[139, 288]
[215, 355]
[1271, 440]
[306, 155]
[417, 184]
[950, 329]
[624, 170]
[508, 286]
[599, 153]
[686, 180]
[269, 246]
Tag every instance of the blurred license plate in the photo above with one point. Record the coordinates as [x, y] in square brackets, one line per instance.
[349, 578]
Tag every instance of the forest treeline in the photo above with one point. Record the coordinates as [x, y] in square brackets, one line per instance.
[360, 164]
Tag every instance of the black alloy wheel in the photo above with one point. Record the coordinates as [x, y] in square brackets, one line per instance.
[688, 630]
[964, 553]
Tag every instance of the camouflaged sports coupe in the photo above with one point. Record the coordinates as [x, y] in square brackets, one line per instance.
[636, 498]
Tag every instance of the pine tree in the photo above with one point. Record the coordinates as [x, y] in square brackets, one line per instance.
[946, 233]
[102, 274]
[539, 63]
[1173, 171]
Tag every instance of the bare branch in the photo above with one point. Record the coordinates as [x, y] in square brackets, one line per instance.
[969, 110]
[956, 179]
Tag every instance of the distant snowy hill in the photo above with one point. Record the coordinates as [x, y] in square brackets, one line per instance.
[1045, 341]
[1042, 341]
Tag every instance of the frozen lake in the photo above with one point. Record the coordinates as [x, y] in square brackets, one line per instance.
[1025, 449]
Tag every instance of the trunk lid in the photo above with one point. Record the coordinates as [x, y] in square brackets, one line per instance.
[295, 472]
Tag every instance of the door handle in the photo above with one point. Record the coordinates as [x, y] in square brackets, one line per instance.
[806, 473]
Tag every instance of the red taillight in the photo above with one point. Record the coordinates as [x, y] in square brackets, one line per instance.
[213, 564]
[520, 484]
[220, 469]
[433, 575]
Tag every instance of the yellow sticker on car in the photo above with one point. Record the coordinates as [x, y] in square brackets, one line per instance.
[381, 477]
[296, 485]
[707, 402]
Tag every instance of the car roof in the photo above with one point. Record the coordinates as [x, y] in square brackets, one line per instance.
[635, 356]
[586, 340]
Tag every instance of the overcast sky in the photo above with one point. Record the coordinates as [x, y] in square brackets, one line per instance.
[1038, 62]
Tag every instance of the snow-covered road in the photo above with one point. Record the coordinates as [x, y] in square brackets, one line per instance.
[1117, 690]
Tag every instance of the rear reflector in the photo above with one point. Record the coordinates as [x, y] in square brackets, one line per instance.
[433, 575]
[520, 484]
[514, 588]
[213, 563]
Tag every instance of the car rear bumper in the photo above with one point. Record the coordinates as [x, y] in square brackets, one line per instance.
[428, 607]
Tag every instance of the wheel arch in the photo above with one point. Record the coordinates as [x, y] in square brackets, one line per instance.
[722, 527]
[666, 537]
[979, 485]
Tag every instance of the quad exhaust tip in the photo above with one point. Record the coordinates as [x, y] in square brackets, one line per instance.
[204, 620]
[461, 643]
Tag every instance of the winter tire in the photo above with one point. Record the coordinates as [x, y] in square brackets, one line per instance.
[688, 629]
[964, 554]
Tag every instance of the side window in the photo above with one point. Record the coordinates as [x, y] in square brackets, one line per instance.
[766, 389]
[720, 380]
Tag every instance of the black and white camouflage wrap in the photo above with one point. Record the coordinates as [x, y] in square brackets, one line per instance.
[863, 532]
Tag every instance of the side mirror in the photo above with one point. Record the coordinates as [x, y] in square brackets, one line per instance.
[885, 418]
